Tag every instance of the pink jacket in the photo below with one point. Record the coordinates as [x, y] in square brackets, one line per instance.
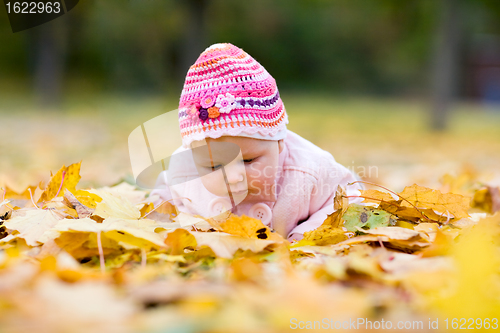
[306, 187]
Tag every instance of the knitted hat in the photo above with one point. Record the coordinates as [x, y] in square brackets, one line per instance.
[228, 93]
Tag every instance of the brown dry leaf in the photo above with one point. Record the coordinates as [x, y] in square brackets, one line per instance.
[82, 210]
[33, 224]
[340, 204]
[178, 240]
[424, 197]
[69, 181]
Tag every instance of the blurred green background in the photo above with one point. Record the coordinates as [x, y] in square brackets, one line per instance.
[410, 88]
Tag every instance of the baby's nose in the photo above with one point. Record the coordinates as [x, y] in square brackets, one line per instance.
[235, 175]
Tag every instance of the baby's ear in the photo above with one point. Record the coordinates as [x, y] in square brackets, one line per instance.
[281, 145]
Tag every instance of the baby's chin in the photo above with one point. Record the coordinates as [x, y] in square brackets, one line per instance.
[239, 196]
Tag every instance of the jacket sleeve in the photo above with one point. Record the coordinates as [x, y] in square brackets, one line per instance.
[321, 199]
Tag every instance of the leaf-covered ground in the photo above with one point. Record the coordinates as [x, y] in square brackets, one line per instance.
[81, 250]
[104, 260]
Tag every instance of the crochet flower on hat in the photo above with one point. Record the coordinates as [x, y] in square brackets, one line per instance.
[225, 103]
[192, 112]
[203, 114]
[213, 112]
[207, 101]
[211, 107]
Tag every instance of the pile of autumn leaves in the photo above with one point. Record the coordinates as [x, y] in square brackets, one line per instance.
[105, 259]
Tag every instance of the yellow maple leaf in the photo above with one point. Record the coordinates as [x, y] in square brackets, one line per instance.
[178, 240]
[473, 287]
[11, 194]
[65, 178]
[225, 245]
[147, 208]
[113, 205]
[246, 226]
[340, 204]
[33, 224]
[87, 199]
[130, 232]
[324, 235]
[424, 197]
[376, 196]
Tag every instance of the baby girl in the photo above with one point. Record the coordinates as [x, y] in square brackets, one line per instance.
[238, 155]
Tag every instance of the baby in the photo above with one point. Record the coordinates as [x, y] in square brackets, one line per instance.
[238, 155]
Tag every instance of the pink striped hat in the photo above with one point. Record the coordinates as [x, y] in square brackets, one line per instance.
[228, 93]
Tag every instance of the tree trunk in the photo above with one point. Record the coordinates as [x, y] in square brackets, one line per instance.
[194, 33]
[446, 60]
[50, 43]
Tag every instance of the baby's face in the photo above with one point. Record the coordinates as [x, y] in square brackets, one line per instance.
[249, 174]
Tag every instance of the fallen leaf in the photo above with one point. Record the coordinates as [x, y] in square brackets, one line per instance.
[178, 240]
[33, 224]
[366, 217]
[11, 194]
[487, 199]
[82, 210]
[324, 235]
[65, 178]
[246, 269]
[115, 206]
[376, 196]
[396, 233]
[87, 199]
[246, 226]
[130, 233]
[148, 207]
[424, 197]
[340, 204]
[225, 245]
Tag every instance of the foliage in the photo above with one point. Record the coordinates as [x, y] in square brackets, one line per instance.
[336, 45]
[124, 266]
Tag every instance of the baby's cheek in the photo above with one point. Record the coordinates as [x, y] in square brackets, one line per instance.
[214, 183]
